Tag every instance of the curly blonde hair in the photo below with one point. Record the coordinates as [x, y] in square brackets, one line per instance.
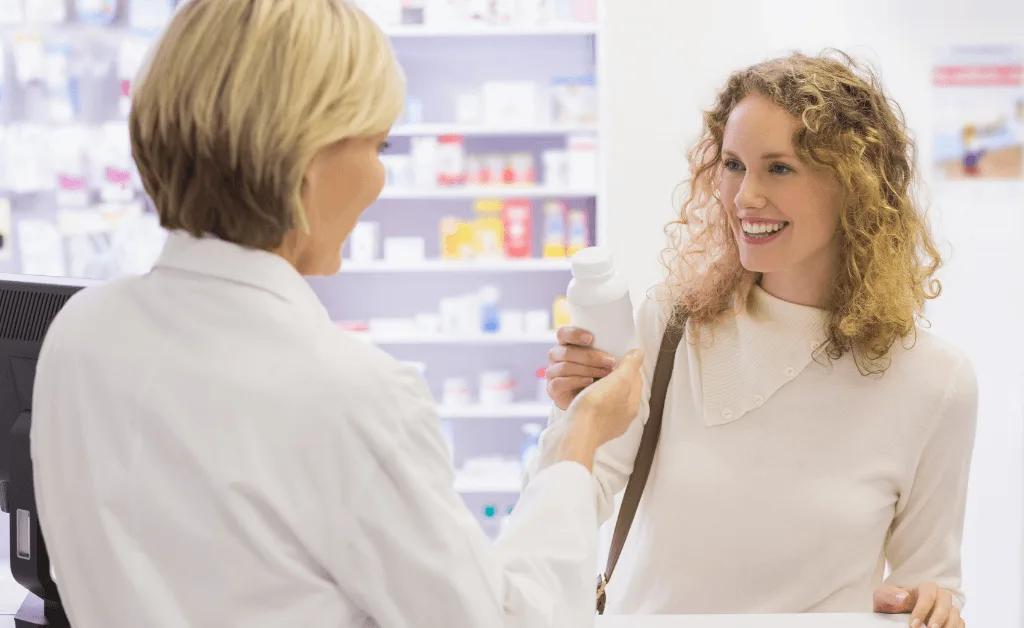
[888, 257]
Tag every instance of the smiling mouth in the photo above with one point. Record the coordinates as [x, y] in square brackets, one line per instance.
[762, 229]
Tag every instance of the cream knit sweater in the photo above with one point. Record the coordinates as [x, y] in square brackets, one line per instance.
[781, 485]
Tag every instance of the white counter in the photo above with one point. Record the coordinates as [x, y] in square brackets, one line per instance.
[720, 621]
[751, 621]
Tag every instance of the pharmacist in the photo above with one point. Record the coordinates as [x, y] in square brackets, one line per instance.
[209, 449]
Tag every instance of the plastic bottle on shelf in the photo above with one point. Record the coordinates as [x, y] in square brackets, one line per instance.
[554, 229]
[578, 235]
[542, 385]
[599, 301]
[490, 522]
[490, 310]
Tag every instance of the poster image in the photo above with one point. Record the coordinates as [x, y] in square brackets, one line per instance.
[979, 124]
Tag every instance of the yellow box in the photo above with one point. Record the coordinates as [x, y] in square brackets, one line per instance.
[450, 238]
[489, 229]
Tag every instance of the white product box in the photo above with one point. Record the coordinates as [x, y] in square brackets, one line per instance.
[404, 250]
[510, 103]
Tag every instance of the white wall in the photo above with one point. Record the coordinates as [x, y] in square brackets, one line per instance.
[664, 58]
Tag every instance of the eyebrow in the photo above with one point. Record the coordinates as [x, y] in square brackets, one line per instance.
[764, 156]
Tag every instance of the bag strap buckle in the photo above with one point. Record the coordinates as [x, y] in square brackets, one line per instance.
[602, 583]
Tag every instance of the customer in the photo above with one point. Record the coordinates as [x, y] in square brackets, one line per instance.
[813, 432]
[209, 449]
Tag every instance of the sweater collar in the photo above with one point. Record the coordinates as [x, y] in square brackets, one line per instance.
[748, 357]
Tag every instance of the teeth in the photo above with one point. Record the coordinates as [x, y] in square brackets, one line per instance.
[761, 228]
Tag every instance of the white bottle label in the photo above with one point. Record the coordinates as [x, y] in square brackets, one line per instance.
[611, 323]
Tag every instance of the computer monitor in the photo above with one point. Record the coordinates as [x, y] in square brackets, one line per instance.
[27, 307]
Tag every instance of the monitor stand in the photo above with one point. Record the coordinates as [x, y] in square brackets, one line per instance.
[30, 561]
[37, 613]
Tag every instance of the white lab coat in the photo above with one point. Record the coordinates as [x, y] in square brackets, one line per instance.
[210, 450]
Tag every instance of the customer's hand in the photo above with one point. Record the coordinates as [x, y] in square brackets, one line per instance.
[929, 605]
[574, 365]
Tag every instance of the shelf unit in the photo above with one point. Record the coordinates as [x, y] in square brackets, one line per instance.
[440, 63]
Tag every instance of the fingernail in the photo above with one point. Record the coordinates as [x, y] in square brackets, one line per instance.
[900, 597]
[587, 339]
[608, 362]
[916, 623]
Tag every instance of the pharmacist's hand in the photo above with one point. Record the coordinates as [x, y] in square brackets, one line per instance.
[928, 605]
[574, 365]
[610, 405]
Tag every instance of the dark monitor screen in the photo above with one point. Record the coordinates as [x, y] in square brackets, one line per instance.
[27, 307]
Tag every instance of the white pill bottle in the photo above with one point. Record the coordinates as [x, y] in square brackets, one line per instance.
[599, 302]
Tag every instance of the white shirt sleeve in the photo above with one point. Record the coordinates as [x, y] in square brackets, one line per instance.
[613, 463]
[417, 558]
[927, 533]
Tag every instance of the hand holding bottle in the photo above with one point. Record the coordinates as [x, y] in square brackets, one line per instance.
[601, 311]
[574, 365]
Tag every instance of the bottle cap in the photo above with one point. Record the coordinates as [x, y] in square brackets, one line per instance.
[592, 262]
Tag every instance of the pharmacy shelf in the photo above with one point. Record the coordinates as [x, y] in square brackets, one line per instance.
[474, 192]
[476, 130]
[541, 338]
[460, 266]
[548, 30]
[512, 411]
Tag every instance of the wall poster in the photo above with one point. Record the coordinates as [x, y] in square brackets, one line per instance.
[979, 122]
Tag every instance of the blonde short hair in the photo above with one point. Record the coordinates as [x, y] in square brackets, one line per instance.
[238, 98]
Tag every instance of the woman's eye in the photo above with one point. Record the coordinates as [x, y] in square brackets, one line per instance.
[780, 169]
[732, 165]
[383, 147]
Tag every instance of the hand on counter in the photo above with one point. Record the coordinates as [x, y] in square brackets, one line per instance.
[929, 605]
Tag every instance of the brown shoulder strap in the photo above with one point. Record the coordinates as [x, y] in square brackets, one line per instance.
[644, 456]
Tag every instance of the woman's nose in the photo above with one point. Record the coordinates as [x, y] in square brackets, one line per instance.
[750, 195]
